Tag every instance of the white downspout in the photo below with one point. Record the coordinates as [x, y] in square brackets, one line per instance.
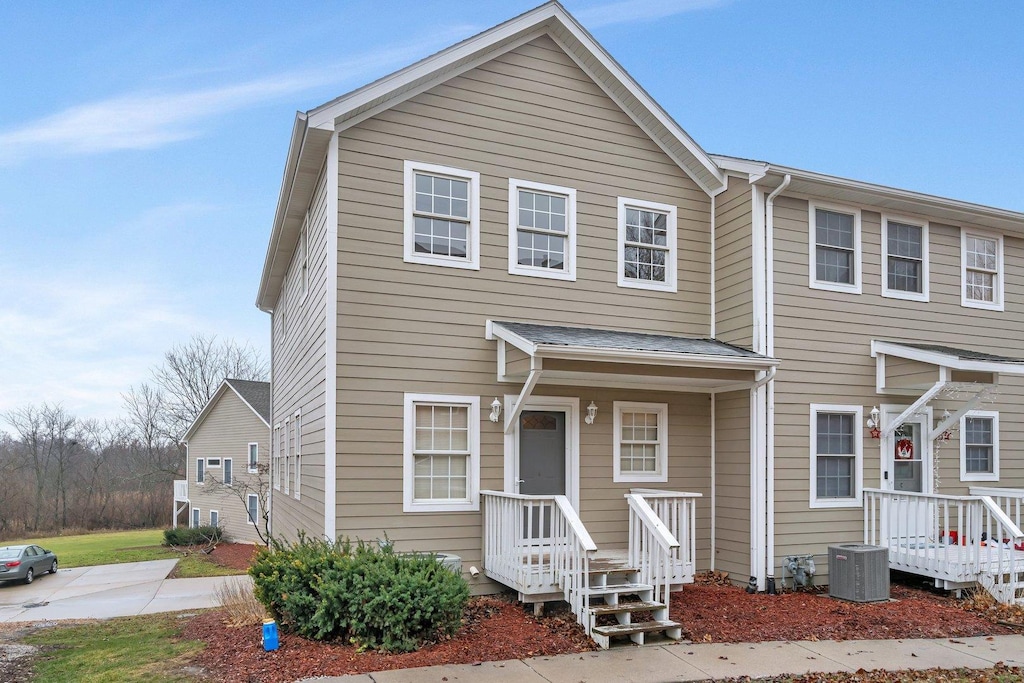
[331, 350]
[769, 251]
[712, 259]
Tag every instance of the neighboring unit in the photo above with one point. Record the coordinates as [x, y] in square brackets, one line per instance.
[227, 466]
[520, 316]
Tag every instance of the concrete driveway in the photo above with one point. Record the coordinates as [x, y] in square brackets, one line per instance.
[110, 590]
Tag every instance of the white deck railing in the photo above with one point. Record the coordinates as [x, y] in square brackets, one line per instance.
[662, 542]
[958, 539]
[180, 490]
[1010, 500]
[537, 544]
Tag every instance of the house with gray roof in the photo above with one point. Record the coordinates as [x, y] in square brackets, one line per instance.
[227, 476]
[520, 316]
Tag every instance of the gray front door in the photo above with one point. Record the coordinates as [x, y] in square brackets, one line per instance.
[542, 453]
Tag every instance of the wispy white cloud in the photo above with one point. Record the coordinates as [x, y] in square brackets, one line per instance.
[150, 119]
[628, 11]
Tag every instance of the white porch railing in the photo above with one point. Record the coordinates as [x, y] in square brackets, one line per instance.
[958, 539]
[662, 542]
[180, 490]
[537, 544]
[1010, 500]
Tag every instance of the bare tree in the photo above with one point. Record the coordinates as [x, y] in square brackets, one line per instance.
[256, 483]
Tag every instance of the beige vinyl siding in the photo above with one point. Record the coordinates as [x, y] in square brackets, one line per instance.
[732, 484]
[824, 340]
[531, 114]
[226, 432]
[901, 373]
[734, 298]
[300, 372]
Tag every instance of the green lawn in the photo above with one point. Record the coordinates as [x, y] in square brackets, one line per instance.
[112, 547]
[143, 649]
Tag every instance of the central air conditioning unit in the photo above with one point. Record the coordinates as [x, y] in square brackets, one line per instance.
[858, 572]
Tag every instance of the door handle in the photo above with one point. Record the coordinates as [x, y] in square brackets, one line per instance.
[520, 481]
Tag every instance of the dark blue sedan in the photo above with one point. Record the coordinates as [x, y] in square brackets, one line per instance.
[25, 562]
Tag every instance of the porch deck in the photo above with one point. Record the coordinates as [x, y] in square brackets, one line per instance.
[958, 541]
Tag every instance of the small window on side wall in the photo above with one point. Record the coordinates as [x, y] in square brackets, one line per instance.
[836, 441]
[200, 471]
[196, 518]
[254, 457]
[979, 446]
[541, 230]
[442, 216]
[905, 254]
[835, 258]
[253, 507]
[640, 448]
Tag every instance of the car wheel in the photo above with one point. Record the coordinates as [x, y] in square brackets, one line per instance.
[29, 576]
[53, 567]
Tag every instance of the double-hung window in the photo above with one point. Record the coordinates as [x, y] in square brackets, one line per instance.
[979, 446]
[442, 216]
[253, 507]
[441, 465]
[836, 455]
[647, 245]
[214, 518]
[835, 248]
[641, 442]
[229, 472]
[278, 449]
[196, 518]
[905, 272]
[289, 449]
[542, 230]
[981, 257]
[200, 471]
[297, 447]
[254, 458]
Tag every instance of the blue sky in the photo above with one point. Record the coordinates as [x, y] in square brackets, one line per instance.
[142, 143]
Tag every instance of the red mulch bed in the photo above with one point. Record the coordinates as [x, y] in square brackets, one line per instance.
[235, 555]
[728, 614]
[493, 629]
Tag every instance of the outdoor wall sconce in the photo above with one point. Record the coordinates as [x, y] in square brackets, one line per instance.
[591, 413]
[873, 423]
[495, 410]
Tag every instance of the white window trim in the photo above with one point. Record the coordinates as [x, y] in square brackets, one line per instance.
[287, 456]
[225, 469]
[197, 518]
[212, 513]
[303, 263]
[669, 285]
[248, 449]
[898, 293]
[980, 476]
[472, 260]
[472, 504]
[812, 248]
[211, 466]
[297, 429]
[275, 449]
[514, 267]
[998, 304]
[618, 407]
[203, 462]
[858, 466]
[248, 506]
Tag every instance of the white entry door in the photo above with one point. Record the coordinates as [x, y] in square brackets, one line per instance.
[907, 467]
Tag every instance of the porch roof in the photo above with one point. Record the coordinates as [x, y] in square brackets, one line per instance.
[600, 345]
[949, 357]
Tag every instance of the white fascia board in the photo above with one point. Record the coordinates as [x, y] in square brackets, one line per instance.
[247, 404]
[501, 332]
[943, 359]
[695, 360]
[752, 170]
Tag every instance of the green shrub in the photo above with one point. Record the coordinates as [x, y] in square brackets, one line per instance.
[368, 595]
[199, 535]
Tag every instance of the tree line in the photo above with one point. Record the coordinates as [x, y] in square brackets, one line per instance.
[60, 472]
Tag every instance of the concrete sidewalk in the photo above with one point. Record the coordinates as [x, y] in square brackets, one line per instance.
[703, 661]
[103, 591]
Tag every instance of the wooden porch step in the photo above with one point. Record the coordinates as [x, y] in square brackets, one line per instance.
[619, 588]
[622, 607]
[610, 567]
[639, 627]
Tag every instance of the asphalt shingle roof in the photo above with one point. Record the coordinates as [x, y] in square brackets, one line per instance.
[962, 354]
[629, 341]
[256, 394]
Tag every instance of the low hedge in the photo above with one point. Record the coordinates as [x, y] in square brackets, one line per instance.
[197, 535]
[362, 593]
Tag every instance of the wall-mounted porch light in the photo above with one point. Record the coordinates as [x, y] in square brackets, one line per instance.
[591, 413]
[495, 410]
[873, 423]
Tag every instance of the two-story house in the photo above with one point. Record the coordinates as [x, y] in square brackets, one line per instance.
[519, 315]
[227, 475]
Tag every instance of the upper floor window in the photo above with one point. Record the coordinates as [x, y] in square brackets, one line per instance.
[303, 264]
[442, 216]
[979, 446]
[835, 249]
[836, 455]
[542, 230]
[981, 257]
[254, 457]
[442, 453]
[200, 471]
[905, 246]
[647, 245]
